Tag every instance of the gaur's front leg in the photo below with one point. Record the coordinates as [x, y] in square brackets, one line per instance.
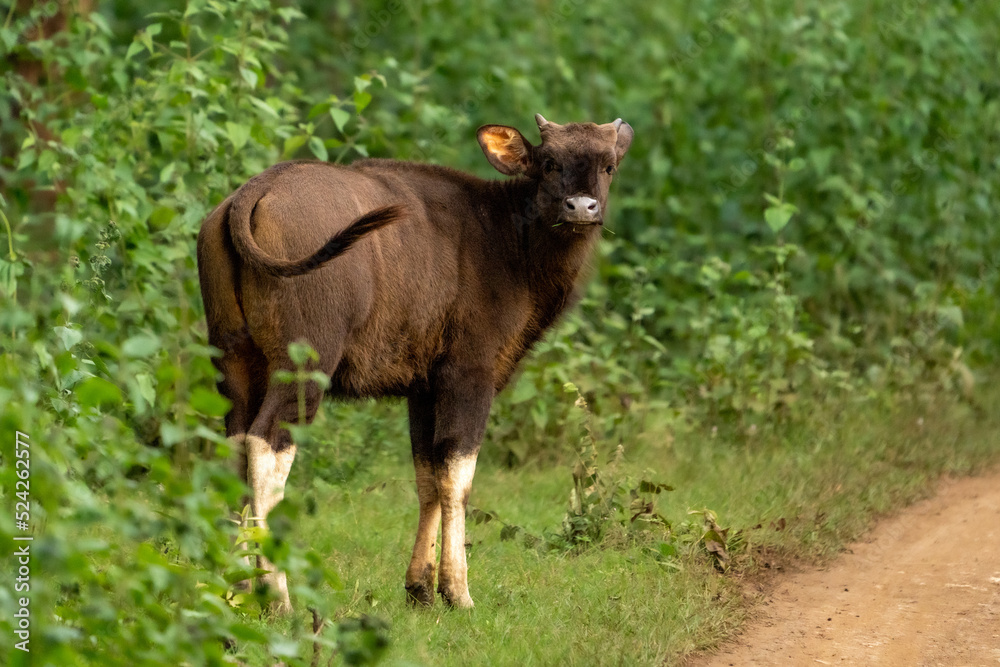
[454, 478]
[462, 396]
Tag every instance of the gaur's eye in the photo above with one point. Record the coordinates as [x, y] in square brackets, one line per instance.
[550, 166]
[610, 169]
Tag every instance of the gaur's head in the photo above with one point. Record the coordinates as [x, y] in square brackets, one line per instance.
[573, 166]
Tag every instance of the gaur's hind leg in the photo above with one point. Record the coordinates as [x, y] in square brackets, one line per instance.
[420, 574]
[242, 365]
[270, 453]
[268, 471]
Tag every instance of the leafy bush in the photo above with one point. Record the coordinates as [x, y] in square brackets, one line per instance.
[106, 366]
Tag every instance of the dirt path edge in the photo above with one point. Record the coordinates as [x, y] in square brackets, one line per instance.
[922, 589]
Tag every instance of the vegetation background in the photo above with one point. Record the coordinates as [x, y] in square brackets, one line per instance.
[792, 307]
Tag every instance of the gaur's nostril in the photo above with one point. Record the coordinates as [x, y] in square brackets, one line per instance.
[582, 207]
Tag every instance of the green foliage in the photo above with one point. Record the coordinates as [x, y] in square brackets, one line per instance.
[104, 361]
[603, 500]
[755, 356]
[363, 640]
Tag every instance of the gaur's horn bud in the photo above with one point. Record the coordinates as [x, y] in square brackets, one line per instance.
[540, 119]
[617, 124]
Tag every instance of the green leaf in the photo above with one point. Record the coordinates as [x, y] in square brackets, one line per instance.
[509, 532]
[265, 107]
[9, 272]
[133, 48]
[141, 345]
[9, 38]
[209, 402]
[362, 82]
[361, 100]
[195, 7]
[777, 217]
[301, 353]
[95, 391]
[238, 134]
[319, 110]
[46, 160]
[654, 343]
[524, 391]
[249, 76]
[288, 14]
[147, 388]
[170, 434]
[318, 149]
[821, 158]
[162, 215]
[951, 315]
[71, 136]
[26, 159]
[646, 486]
[294, 143]
[239, 574]
[667, 550]
[69, 337]
[340, 117]
[284, 648]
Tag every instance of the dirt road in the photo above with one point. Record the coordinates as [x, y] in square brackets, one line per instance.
[924, 589]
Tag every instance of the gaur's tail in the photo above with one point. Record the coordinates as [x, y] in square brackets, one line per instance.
[251, 253]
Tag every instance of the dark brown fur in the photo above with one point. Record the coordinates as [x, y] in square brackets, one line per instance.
[440, 282]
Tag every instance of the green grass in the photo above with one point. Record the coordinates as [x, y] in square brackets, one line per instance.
[618, 605]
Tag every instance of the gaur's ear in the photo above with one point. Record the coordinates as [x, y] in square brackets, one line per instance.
[625, 135]
[505, 148]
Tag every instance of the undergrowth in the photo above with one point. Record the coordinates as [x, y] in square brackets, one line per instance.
[609, 508]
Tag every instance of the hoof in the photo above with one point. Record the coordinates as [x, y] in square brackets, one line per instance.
[420, 595]
[280, 608]
[456, 600]
[275, 586]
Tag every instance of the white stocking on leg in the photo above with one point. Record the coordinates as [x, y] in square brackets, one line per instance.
[267, 472]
